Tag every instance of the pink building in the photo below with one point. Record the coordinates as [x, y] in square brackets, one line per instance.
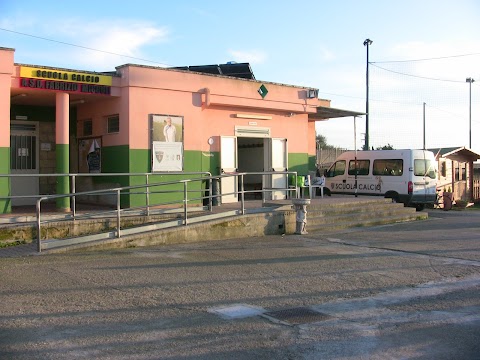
[142, 119]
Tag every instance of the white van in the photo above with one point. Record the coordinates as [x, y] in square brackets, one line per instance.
[406, 176]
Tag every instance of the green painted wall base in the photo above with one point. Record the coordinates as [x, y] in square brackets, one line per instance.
[63, 182]
[5, 204]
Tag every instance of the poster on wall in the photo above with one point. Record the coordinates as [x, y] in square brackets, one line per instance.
[167, 143]
[89, 155]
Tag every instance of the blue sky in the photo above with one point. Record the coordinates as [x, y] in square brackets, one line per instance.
[311, 43]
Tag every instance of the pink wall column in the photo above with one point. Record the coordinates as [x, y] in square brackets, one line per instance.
[62, 148]
[6, 73]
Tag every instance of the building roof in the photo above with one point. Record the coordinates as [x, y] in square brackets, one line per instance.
[456, 153]
[325, 113]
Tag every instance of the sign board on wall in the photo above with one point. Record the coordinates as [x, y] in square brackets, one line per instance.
[167, 143]
[61, 80]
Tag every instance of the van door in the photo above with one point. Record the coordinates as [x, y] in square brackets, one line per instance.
[366, 183]
[335, 178]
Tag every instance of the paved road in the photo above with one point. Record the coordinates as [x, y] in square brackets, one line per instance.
[409, 290]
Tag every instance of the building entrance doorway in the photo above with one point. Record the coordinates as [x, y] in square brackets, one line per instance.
[24, 160]
[250, 155]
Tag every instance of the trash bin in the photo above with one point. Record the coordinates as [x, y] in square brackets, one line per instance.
[300, 181]
[447, 200]
[216, 199]
[301, 185]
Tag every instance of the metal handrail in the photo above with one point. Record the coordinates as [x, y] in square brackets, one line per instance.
[73, 177]
[118, 192]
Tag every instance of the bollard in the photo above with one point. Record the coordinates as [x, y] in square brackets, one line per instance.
[300, 206]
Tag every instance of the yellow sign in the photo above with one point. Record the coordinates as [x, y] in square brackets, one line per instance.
[61, 75]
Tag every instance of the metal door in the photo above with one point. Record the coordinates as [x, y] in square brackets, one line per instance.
[24, 160]
[228, 165]
[277, 160]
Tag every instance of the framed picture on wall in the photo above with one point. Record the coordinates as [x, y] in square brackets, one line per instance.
[167, 142]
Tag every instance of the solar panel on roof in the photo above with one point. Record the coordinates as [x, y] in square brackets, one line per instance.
[208, 69]
[242, 70]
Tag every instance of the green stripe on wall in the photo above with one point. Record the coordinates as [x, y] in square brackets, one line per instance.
[312, 163]
[115, 159]
[298, 162]
[63, 182]
[194, 161]
[5, 204]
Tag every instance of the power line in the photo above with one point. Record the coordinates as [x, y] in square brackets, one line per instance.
[451, 113]
[417, 76]
[426, 59]
[445, 111]
[84, 47]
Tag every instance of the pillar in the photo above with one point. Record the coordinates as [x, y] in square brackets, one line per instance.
[470, 174]
[62, 149]
[6, 73]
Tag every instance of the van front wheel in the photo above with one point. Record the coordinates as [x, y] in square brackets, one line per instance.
[419, 207]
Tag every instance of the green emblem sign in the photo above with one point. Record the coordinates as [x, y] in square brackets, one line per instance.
[262, 90]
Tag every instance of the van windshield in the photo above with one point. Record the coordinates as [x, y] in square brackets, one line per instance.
[425, 167]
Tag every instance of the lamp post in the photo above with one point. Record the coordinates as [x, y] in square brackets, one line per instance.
[367, 43]
[424, 126]
[355, 147]
[470, 80]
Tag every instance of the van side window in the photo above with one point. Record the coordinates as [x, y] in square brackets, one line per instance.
[363, 167]
[338, 168]
[388, 167]
[423, 167]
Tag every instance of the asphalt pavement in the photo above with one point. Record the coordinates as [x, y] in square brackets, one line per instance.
[401, 291]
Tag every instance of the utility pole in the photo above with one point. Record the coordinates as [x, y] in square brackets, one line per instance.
[367, 43]
[470, 80]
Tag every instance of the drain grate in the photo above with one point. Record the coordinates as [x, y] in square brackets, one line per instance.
[297, 316]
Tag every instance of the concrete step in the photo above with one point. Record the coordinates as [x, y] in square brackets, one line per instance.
[367, 213]
[348, 214]
[346, 224]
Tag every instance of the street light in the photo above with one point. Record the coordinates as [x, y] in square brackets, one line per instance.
[470, 80]
[367, 43]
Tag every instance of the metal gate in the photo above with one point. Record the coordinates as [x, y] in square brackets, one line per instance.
[24, 160]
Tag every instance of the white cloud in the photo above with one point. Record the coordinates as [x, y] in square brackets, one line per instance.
[252, 56]
[126, 38]
[326, 55]
[96, 45]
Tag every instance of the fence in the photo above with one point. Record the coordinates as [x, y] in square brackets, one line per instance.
[476, 188]
[326, 157]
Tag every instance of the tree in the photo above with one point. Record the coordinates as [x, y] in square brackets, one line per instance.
[322, 142]
[385, 147]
